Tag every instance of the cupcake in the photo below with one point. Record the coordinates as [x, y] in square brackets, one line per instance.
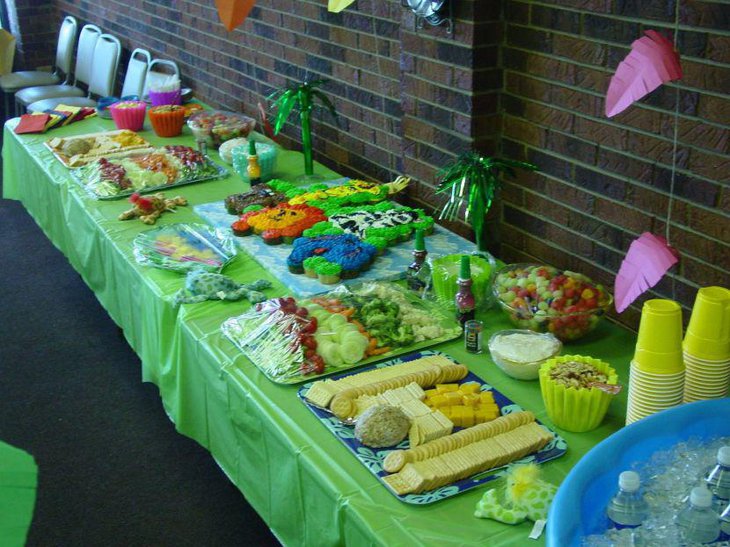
[271, 237]
[378, 242]
[294, 267]
[577, 390]
[310, 265]
[241, 228]
[329, 273]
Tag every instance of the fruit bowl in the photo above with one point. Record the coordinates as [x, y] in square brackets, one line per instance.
[545, 299]
[216, 126]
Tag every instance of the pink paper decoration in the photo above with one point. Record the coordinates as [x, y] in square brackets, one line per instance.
[651, 62]
[648, 259]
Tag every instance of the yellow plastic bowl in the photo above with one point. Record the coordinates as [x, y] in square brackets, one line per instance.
[576, 409]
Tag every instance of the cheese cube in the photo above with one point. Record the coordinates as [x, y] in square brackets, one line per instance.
[486, 396]
[469, 387]
[470, 399]
[467, 418]
[453, 398]
[438, 401]
[443, 388]
[430, 393]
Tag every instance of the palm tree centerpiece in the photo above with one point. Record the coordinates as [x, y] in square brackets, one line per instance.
[472, 182]
[301, 97]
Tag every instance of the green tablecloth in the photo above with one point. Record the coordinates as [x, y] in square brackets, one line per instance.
[18, 479]
[302, 481]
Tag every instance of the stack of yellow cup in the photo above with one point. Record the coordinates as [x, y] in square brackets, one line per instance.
[656, 378]
[707, 346]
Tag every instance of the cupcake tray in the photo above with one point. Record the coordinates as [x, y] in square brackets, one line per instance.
[88, 176]
[252, 334]
[372, 458]
[102, 145]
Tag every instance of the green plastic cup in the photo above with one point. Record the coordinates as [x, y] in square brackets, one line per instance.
[446, 271]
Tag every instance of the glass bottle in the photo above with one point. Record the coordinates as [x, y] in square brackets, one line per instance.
[253, 170]
[628, 509]
[418, 274]
[464, 299]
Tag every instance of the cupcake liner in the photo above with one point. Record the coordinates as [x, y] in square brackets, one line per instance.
[167, 123]
[572, 409]
[129, 115]
[159, 98]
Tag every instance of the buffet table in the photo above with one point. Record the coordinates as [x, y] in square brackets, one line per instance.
[306, 485]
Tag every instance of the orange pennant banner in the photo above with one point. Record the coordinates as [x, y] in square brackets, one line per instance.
[233, 12]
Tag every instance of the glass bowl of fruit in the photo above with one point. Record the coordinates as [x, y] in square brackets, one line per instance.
[216, 126]
[544, 299]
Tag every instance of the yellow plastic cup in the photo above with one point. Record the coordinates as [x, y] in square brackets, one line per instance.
[708, 332]
[659, 344]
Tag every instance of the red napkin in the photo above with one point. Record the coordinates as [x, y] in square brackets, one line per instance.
[32, 123]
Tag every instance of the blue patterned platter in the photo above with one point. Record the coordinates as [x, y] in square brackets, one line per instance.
[373, 458]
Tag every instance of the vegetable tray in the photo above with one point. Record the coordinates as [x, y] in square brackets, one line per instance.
[372, 458]
[352, 326]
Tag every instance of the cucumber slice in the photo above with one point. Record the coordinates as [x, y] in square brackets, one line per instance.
[352, 348]
[330, 352]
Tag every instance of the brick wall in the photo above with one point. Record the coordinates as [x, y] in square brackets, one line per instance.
[35, 38]
[525, 79]
[408, 99]
[605, 181]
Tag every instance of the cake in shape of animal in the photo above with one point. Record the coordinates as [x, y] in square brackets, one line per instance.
[281, 222]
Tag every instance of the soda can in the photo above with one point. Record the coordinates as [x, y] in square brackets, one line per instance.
[473, 336]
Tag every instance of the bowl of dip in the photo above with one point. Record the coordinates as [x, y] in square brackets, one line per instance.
[521, 352]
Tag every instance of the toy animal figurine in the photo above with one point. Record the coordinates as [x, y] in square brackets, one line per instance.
[525, 496]
[201, 285]
[149, 208]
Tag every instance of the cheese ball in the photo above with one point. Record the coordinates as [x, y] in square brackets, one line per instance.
[381, 426]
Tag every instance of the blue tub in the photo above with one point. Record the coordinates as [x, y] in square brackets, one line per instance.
[579, 506]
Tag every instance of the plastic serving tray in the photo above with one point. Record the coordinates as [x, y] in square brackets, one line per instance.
[373, 458]
[99, 137]
[84, 176]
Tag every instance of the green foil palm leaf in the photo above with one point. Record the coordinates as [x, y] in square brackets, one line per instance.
[472, 182]
[300, 97]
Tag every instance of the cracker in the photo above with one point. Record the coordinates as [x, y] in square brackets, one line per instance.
[394, 461]
[397, 484]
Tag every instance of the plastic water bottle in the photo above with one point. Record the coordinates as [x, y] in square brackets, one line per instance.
[725, 523]
[698, 521]
[628, 509]
[718, 480]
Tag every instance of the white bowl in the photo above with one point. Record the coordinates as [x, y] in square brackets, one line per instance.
[522, 369]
